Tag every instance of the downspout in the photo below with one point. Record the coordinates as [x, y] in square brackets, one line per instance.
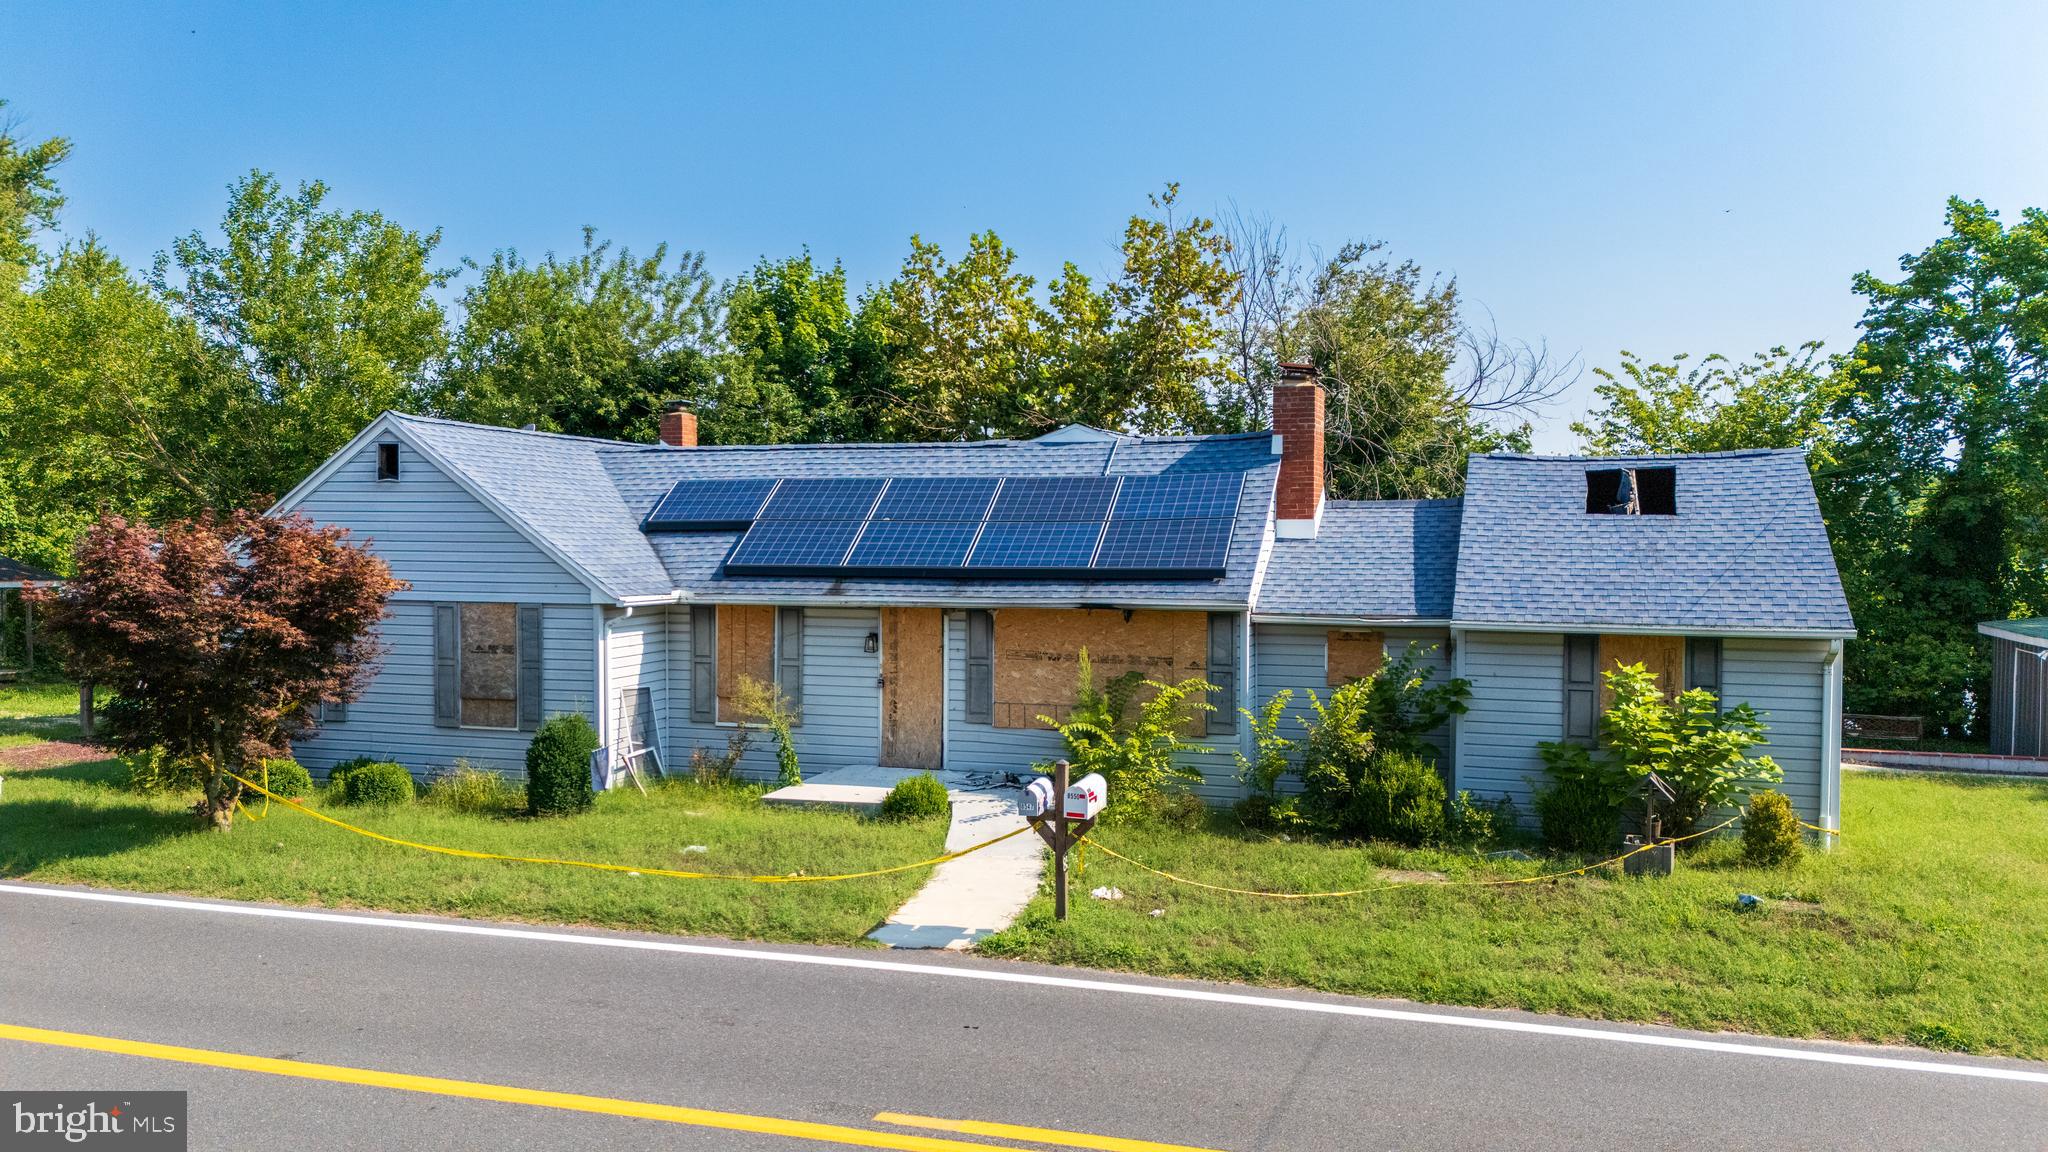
[598, 710]
[1831, 751]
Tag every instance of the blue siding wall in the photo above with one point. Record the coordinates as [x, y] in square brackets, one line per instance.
[1295, 656]
[974, 747]
[842, 706]
[1518, 702]
[448, 546]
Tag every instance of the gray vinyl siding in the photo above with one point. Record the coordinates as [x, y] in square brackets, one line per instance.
[449, 547]
[842, 712]
[1783, 681]
[394, 717]
[1294, 656]
[636, 655]
[1517, 703]
[435, 535]
[981, 747]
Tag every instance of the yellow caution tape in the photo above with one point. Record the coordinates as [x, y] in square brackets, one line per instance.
[1108, 851]
[471, 854]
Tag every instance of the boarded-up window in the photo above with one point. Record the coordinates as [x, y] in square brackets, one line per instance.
[1353, 655]
[746, 647]
[1037, 655]
[490, 666]
[1662, 656]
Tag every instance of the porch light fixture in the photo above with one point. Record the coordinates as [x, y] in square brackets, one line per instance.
[872, 644]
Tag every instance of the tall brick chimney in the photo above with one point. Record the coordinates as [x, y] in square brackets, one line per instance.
[678, 426]
[1298, 422]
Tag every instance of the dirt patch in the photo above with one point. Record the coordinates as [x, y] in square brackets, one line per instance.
[49, 754]
[1411, 876]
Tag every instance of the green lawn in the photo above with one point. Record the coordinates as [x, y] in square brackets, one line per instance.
[1927, 926]
[73, 825]
[38, 710]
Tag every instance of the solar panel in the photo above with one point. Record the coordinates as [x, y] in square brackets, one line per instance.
[936, 498]
[1189, 546]
[901, 544]
[707, 505]
[1069, 498]
[792, 546]
[1026, 544]
[835, 498]
[1174, 496]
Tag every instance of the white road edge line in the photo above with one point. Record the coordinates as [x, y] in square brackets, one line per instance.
[1203, 995]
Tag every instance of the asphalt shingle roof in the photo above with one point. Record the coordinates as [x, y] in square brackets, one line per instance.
[1395, 559]
[1747, 549]
[14, 572]
[589, 497]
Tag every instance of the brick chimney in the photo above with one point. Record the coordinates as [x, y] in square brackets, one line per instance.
[678, 426]
[1298, 423]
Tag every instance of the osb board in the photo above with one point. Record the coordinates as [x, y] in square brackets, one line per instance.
[490, 665]
[1349, 655]
[913, 687]
[1663, 656]
[746, 647]
[1038, 653]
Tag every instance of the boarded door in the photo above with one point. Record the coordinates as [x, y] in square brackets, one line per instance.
[913, 687]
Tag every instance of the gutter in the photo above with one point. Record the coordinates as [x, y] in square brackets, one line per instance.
[1655, 630]
[1348, 621]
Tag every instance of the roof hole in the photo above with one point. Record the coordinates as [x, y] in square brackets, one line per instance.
[1632, 491]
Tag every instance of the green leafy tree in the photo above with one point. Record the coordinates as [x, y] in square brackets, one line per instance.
[592, 345]
[1776, 399]
[801, 368]
[29, 200]
[1167, 312]
[318, 319]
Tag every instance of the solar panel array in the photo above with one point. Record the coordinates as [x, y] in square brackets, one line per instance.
[1168, 526]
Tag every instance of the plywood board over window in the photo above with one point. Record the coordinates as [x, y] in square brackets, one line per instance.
[1352, 655]
[1661, 656]
[1038, 653]
[746, 647]
[490, 666]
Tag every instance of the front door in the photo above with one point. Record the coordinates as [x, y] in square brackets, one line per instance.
[913, 687]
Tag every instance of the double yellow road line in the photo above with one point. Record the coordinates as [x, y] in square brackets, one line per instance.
[603, 1105]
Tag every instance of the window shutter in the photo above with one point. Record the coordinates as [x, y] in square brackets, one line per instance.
[447, 666]
[981, 672]
[1581, 687]
[1703, 664]
[1223, 673]
[789, 654]
[529, 687]
[703, 664]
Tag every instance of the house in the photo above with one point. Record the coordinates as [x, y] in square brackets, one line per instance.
[924, 604]
[2018, 704]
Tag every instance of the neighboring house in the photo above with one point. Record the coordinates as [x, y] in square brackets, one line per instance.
[2018, 707]
[925, 604]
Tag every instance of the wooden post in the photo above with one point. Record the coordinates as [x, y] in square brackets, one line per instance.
[1059, 854]
[3, 627]
[28, 634]
[85, 709]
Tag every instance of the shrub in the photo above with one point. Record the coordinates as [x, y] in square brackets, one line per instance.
[1383, 795]
[918, 797]
[1579, 810]
[1260, 772]
[337, 776]
[1134, 751]
[474, 790]
[378, 782]
[558, 766]
[765, 704]
[286, 777]
[1469, 820]
[1691, 743]
[1771, 833]
[154, 769]
[721, 770]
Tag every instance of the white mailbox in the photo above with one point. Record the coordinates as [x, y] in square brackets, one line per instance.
[1086, 796]
[1038, 797]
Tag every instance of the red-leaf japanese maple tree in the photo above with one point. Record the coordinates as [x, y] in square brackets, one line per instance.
[220, 634]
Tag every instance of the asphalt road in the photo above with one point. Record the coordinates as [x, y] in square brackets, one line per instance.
[838, 1036]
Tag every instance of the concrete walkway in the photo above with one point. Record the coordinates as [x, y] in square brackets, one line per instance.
[976, 895]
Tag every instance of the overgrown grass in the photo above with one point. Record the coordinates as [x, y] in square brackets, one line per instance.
[74, 825]
[37, 710]
[1926, 926]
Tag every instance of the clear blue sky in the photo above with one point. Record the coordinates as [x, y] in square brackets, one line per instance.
[1651, 176]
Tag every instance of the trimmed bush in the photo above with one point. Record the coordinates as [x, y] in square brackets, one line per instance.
[287, 777]
[918, 797]
[377, 782]
[558, 767]
[1770, 831]
[472, 790]
[337, 776]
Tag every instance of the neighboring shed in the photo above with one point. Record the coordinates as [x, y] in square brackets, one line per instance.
[2019, 686]
[14, 576]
